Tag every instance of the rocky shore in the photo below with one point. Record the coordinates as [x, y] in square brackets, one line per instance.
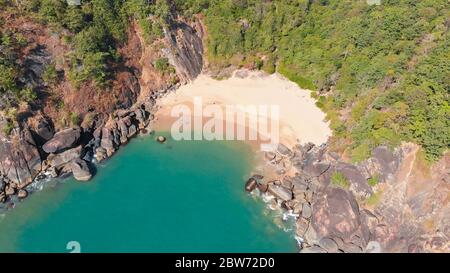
[39, 153]
[365, 207]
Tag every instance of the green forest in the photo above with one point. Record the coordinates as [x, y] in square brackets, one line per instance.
[380, 72]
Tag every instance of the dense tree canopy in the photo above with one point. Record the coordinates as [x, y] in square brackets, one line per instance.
[381, 72]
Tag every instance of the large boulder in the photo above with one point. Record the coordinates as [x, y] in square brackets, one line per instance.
[280, 192]
[57, 160]
[107, 142]
[358, 182]
[335, 212]
[62, 141]
[80, 170]
[44, 130]
[20, 160]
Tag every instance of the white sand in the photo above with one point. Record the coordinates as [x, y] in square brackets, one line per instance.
[300, 119]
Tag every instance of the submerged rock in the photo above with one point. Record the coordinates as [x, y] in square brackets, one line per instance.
[161, 139]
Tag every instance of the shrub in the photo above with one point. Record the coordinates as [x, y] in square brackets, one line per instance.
[339, 180]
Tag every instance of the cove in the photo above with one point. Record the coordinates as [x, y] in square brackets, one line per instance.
[180, 196]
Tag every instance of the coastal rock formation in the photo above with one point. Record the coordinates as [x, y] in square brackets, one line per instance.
[80, 170]
[399, 212]
[20, 160]
[335, 212]
[62, 141]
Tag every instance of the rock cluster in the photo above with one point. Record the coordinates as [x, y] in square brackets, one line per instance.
[37, 153]
[332, 218]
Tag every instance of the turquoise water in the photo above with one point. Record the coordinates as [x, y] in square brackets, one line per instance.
[150, 197]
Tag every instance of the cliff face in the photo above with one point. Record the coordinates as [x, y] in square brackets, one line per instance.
[185, 49]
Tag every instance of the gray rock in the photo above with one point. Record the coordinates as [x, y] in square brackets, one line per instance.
[280, 192]
[57, 160]
[80, 170]
[313, 249]
[45, 129]
[299, 184]
[20, 161]
[62, 141]
[329, 245]
[316, 169]
[283, 150]
[22, 194]
[123, 131]
[132, 131]
[335, 212]
[107, 142]
[351, 248]
[306, 211]
[358, 182]
[251, 184]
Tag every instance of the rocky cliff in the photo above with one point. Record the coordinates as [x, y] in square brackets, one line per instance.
[384, 204]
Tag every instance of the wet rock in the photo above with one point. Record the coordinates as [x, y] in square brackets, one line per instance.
[62, 141]
[251, 184]
[280, 192]
[100, 154]
[263, 187]
[161, 139]
[80, 170]
[22, 194]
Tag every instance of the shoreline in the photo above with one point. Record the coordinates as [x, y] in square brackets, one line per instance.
[152, 115]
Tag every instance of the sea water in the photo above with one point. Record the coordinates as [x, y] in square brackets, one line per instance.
[180, 196]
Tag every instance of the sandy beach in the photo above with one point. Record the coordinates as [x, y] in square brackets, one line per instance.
[300, 120]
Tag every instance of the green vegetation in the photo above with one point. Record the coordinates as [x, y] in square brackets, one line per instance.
[374, 199]
[388, 64]
[50, 75]
[373, 181]
[163, 66]
[339, 180]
